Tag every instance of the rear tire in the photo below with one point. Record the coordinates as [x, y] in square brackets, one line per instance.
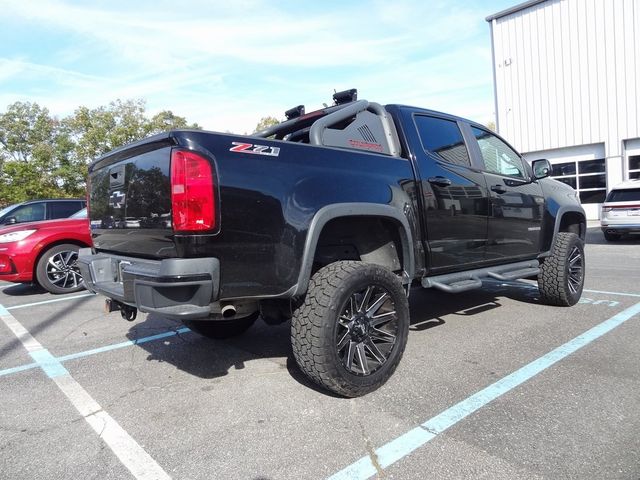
[612, 237]
[349, 334]
[56, 270]
[561, 277]
[221, 329]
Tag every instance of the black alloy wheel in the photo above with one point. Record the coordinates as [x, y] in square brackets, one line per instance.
[367, 330]
[349, 333]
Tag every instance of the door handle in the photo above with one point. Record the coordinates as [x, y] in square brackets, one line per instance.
[439, 181]
[499, 189]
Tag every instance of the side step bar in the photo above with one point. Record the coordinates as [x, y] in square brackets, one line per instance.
[463, 281]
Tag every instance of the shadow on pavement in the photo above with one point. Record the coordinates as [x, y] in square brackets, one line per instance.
[595, 237]
[24, 289]
[208, 358]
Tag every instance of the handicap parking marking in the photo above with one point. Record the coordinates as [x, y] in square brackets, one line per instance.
[405, 444]
[128, 451]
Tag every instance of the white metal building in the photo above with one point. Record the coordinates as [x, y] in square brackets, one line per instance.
[567, 88]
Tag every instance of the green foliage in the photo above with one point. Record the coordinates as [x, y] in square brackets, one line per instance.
[266, 122]
[42, 156]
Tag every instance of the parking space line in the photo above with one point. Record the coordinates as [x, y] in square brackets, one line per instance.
[21, 368]
[403, 445]
[94, 351]
[128, 451]
[55, 300]
[128, 343]
[613, 293]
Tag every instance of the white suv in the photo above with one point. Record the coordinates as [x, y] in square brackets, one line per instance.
[621, 210]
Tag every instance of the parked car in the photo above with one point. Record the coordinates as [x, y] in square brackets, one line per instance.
[45, 252]
[37, 210]
[621, 211]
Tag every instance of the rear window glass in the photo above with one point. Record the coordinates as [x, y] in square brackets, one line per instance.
[624, 195]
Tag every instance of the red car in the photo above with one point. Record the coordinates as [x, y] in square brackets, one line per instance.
[45, 252]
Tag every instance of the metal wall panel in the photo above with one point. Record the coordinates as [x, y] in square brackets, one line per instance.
[568, 73]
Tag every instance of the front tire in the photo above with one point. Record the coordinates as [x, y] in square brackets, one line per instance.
[56, 270]
[561, 277]
[221, 329]
[350, 332]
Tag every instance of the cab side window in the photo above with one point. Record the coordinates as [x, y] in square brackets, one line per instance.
[63, 209]
[498, 157]
[443, 138]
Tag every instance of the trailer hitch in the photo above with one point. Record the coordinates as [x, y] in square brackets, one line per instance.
[127, 312]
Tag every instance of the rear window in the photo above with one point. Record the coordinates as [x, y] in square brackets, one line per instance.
[626, 195]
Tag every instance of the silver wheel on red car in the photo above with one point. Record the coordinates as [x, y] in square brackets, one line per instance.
[57, 271]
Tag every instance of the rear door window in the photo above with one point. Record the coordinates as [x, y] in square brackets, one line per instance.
[443, 138]
[63, 209]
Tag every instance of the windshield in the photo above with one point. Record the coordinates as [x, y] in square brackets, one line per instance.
[80, 214]
[6, 210]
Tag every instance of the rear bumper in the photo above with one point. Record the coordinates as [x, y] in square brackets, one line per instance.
[177, 288]
[620, 228]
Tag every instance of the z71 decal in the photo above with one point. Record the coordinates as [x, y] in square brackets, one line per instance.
[255, 149]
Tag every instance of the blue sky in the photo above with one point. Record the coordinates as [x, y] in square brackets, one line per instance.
[227, 64]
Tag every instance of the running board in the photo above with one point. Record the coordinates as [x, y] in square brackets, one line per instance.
[463, 281]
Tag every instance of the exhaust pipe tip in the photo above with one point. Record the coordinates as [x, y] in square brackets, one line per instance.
[228, 311]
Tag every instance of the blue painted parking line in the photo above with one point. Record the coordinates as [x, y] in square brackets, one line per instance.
[402, 446]
[613, 293]
[21, 368]
[128, 343]
[55, 300]
[88, 353]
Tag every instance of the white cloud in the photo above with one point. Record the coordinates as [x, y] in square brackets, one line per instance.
[227, 65]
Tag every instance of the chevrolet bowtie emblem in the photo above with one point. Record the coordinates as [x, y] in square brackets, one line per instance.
[116, 200]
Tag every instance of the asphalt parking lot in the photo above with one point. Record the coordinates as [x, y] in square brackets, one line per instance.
[492, 384]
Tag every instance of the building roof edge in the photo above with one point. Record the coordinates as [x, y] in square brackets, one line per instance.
[514, 9]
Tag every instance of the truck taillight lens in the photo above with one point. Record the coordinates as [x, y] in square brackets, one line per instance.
[192, 192]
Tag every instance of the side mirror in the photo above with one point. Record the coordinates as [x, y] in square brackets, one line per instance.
[11, 221]
[541, 168]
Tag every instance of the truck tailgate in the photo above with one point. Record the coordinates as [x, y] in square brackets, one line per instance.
[130, 201]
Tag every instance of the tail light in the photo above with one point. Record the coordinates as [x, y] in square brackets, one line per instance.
[192, 192]
[606, 209]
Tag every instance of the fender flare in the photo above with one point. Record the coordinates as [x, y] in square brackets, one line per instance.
[558, 221]
[331, 212]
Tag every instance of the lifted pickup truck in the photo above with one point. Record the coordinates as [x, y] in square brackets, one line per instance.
[327, 219]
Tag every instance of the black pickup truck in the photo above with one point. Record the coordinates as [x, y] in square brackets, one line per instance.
[326, 219]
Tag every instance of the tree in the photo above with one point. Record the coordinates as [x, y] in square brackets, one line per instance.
[266, 122]
[42, 156]
[32, 149]
[491, 125]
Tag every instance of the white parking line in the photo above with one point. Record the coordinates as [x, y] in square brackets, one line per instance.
[55, 300]
[128, 451]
